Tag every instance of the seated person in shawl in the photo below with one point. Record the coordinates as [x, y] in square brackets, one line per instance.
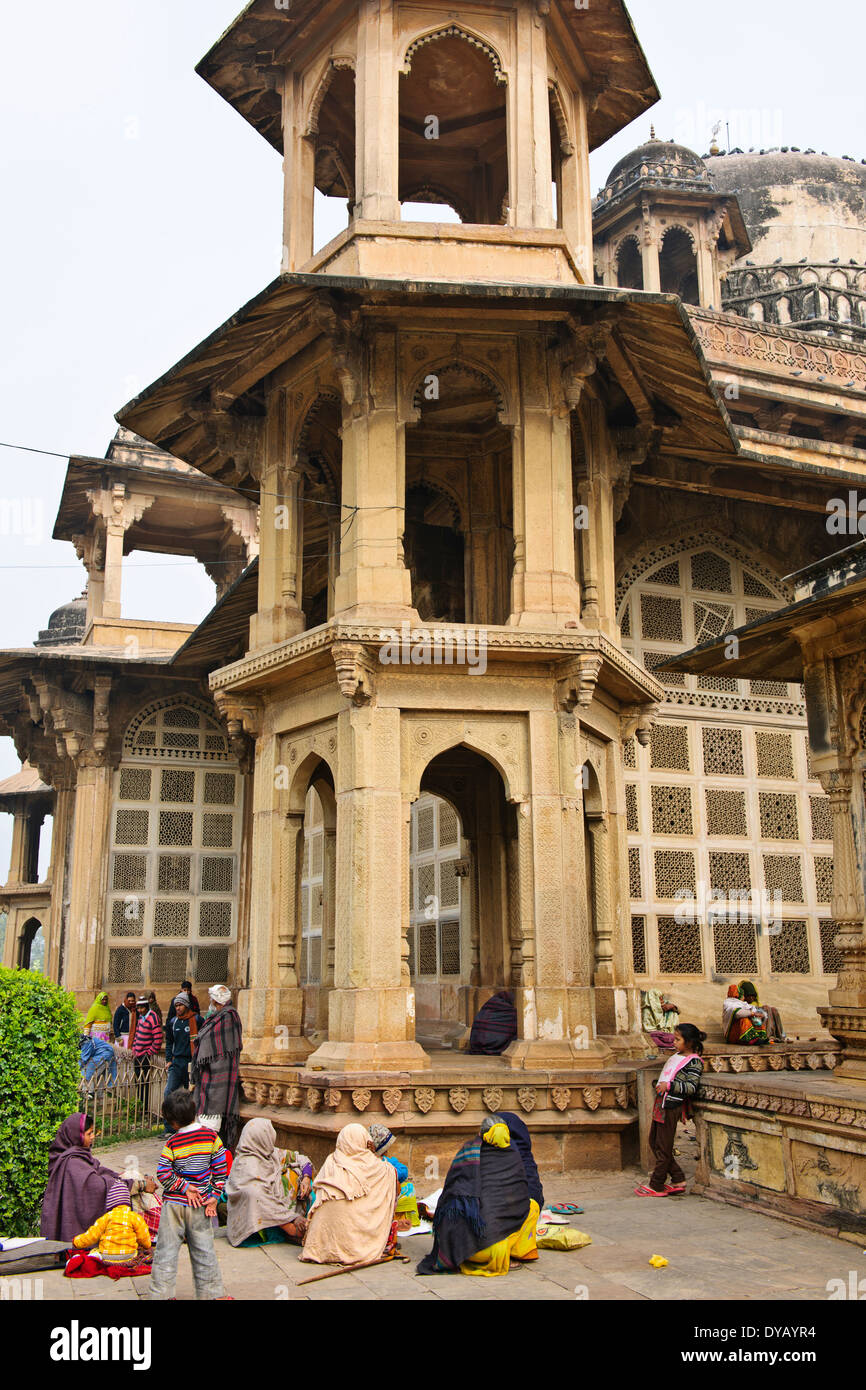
[351, 1221]
[268, 1190]
[745, 1021]
[495, 1025]
[215, 1068]
[522, 1142]
[485, 1216]
[381, 1140]
[78, 1184]
[121, 1236]
[659, 1018]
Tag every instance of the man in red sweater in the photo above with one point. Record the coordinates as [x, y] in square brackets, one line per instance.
[146, 1043]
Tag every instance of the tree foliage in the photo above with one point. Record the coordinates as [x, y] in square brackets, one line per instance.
[39, 1075]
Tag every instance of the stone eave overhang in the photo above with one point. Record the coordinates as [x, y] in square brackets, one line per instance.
[75, 662]
[85, 474]
[245, 64]
[654, 330]
[772, 648]
[555, 652]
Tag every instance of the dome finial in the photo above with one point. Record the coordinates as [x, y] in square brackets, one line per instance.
[652, 132]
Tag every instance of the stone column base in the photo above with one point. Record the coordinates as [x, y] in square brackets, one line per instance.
[848, 1025]
[557, 1054]
[273, 1025]
[370, 1030]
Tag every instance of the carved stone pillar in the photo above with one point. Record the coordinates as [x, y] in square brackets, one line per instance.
[845, 1017]
[82, 963]
[602, 916]
[281, 540]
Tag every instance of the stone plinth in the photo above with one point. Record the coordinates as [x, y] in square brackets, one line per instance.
[792, 1142]
[578, 1118]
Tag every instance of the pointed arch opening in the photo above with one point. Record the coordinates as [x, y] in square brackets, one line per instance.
[453, 131]
[678, 265]
[629, 264]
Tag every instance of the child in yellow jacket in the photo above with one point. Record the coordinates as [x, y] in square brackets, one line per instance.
[120, 1234]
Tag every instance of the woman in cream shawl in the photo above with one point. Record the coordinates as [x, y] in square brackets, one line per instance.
[350, 1220]
[260, 1203]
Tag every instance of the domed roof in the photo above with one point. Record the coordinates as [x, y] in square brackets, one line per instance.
[657, 164]
[66, 624]
[797, 205]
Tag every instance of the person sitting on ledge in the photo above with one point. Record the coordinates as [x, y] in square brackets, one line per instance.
[495, 1025]
[746, 1022]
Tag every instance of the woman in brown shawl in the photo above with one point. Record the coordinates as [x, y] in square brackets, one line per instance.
[215, 1068]
[262, 1206]
[78, 1183]
[356, 1193]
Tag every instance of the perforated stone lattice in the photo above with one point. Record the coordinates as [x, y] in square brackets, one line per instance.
[669, 747]
[735, 948]
[679, 947]
[671, 810]
[789, 950]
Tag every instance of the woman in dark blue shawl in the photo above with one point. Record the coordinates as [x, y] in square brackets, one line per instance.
[522, 1141]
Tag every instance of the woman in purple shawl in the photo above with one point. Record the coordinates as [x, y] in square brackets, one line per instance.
[495, 1025]
[77, 1182]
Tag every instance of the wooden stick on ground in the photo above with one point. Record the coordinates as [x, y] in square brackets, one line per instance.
[350, 1269]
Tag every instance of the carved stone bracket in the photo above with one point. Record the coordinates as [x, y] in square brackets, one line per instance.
[636, 721]
[354, 672]
[578, 687]
[243, 718]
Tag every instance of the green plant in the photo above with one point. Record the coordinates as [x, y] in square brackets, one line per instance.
[39, 1075]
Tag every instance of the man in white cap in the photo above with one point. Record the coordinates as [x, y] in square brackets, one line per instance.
[216, 1062]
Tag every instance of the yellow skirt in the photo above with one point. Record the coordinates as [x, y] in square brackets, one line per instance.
[497, 1258]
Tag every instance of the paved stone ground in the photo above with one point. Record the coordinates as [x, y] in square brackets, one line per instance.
[714, 1252]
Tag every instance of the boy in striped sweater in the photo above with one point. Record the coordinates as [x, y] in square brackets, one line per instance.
[192, 1169]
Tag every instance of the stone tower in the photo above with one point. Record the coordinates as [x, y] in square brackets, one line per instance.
[440, 422]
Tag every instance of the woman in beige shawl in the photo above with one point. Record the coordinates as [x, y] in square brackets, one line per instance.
[350, 1220]
[258, 1203]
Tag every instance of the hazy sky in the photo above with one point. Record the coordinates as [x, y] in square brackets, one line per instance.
[140, 210]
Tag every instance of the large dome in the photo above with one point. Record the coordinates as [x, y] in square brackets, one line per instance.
[657, 164]
[797, 205]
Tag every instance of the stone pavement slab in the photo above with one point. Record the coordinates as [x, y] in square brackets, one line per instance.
[714, 1252]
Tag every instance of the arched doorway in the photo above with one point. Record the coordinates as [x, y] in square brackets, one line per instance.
[463, 867]
[31, 945]
[629, 264]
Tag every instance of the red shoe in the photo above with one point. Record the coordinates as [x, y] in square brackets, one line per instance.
[645, 1191]
[675, 1189]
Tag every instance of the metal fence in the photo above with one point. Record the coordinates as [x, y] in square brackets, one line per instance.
[121, 1102]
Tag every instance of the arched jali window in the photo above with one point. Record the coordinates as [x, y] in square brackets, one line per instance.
[175, 849]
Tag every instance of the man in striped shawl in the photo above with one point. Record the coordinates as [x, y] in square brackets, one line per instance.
[215, 1068]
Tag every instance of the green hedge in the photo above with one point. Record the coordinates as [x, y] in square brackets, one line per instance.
[39, 1075]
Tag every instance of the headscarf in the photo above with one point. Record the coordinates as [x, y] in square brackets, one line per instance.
[522, 1141]
[219, 994]
[352, 1170]
[254, 1192]
[78, 1184]
[99, 1012]
[382, 1139]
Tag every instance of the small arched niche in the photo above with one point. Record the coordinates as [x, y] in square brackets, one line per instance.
[453, 136]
